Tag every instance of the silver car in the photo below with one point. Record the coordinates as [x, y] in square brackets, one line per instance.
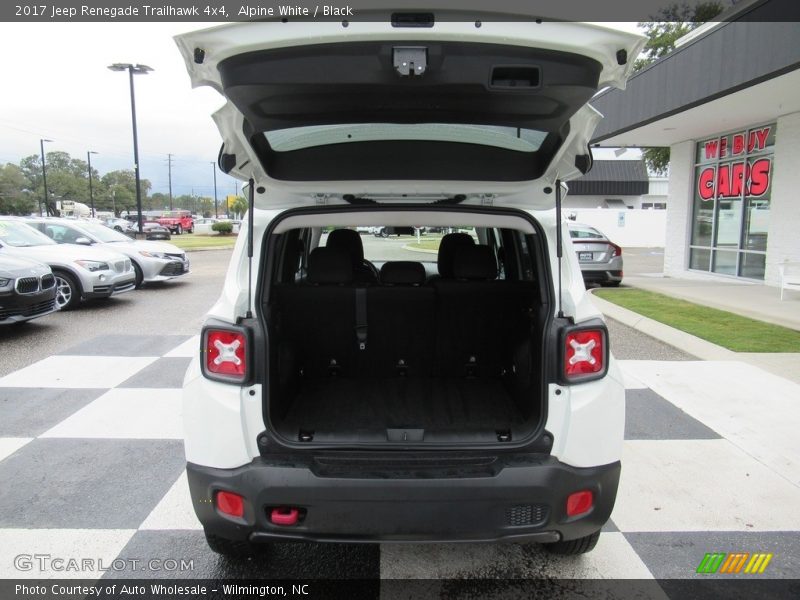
[81, 272]
[599, 257]
[151, 261]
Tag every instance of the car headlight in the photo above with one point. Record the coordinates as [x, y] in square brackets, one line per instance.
[93, 265]
[161, 255]
[4, 282]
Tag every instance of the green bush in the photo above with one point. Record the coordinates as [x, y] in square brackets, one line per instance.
[223, 227]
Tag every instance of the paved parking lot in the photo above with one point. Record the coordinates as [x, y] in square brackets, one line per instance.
[91, 458]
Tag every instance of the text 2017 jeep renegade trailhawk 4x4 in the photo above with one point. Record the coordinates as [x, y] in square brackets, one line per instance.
[344, 394]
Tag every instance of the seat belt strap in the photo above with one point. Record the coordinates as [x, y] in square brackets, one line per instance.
[361, 318]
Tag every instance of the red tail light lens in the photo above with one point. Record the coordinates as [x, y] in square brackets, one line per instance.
[225, 355]
[230, 504]
[585, 354]
[579, 503]
[617, 251]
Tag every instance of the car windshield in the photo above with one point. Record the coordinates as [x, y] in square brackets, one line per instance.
[386, 243]
[20, 235]
[103, 233]
[510, 138]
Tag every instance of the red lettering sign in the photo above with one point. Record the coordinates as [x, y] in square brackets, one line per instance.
[738, 143]
[733, 178]
[712, 146]
[759, 177]
[705, 183]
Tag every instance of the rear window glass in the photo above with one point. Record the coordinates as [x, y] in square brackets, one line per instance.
[509, 138]
[585, 233]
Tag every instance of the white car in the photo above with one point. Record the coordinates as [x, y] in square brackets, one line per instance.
[338, 396]
[81, 272]
[151, 261]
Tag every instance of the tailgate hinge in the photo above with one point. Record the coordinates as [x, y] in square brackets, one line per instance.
[410, 60]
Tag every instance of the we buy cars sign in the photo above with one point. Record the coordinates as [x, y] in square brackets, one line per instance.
[750, 176]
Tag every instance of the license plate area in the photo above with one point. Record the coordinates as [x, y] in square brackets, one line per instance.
[585, 256]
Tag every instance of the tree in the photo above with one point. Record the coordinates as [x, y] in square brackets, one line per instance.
[118, 191]
[239, 206]
[67, 178]
[671, 23]
[16, 197]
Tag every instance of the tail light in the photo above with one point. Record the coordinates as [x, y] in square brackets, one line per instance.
[230, 504]
[616, 250]
[585, 353]
[579, 503]
[225, 354]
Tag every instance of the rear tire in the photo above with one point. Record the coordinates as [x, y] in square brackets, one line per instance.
[611, 284]
[68, 293]
[234, 549]
[574, 547]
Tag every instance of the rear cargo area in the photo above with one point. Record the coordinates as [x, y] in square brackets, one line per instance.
[406, 356]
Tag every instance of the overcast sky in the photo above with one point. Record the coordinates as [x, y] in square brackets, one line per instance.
[57, 86]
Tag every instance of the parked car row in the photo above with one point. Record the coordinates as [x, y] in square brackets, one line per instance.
[49, 264]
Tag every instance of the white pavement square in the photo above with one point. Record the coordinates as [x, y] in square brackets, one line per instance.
[129, 413]
[175, 511]
[756, 410]
[701, 485]
[187, 349]
[77, 372]
[9, 445]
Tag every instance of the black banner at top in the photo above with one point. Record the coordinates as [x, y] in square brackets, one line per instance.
[401, 13]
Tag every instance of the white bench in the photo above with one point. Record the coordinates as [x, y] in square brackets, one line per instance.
[790, 276]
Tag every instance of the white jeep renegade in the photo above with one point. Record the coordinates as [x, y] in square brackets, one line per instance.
[395, 394]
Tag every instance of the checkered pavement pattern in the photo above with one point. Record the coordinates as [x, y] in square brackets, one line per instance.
[92, 465]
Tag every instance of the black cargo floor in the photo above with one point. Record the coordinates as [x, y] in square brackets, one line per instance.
[433, 404]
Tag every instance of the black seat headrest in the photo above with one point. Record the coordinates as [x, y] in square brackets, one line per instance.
[349, 242]
[475, 263]
[448, 248]
[329, 266]
[402, 272]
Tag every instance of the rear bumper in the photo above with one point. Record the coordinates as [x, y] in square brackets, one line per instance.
[523, 501]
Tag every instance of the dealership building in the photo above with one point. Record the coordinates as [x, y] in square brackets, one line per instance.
[727, 103]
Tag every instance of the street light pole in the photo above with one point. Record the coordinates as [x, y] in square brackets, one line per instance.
[91, 195]
[44, 177]
[214, 166]
[134, 70]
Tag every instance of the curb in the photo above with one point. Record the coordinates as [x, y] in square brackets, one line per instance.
[406, 247]
[206, 248]
[669, 335]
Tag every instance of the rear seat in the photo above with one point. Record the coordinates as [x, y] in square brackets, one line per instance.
[318, 317]
[480, 320]
[400, 315]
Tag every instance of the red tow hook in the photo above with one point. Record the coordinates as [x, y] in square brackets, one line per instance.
[284, 516]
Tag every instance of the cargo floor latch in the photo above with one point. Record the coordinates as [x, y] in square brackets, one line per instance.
[410, 60]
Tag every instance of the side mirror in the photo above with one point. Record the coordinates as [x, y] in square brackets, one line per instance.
[83, 241]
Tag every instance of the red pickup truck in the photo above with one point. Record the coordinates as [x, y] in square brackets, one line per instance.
[177, 221]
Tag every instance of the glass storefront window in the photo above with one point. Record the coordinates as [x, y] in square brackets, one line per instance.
[700, 259]
[731, 202]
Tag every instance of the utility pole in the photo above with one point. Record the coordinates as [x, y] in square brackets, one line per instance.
[214, 166]
[134, 70]
[91, 195]
[44, 180]
[169, 162]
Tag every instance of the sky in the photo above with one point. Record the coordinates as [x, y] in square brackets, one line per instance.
[57, 86]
